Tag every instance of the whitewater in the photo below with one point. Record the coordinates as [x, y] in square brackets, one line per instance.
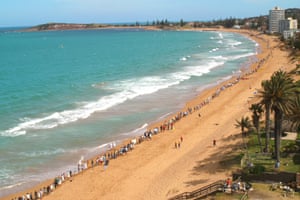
[68, 94]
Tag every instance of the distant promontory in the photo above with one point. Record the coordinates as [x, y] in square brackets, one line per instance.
[65, 26]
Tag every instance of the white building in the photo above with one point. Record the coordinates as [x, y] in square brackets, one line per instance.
[288, 24]
[275, 15]
[288, 27]
[288, 34]
[293, 24]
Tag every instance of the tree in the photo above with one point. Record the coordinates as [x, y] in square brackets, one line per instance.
[166, 22]
[261, 21]
[284, 92]
[278, 93]
[294, 113]
[257, 111]
[244, 123]
[162, 22]
[181, 23]
[229, 23]
[265, 96]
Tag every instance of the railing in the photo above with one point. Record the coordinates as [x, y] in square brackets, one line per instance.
[202, 192]
[245, 196]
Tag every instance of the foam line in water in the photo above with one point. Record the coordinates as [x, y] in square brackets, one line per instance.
[165, 115]
[140, 128]
[241, 56]
[101, 146]
[12, 186]
[44, 153]
[220, 57]
[234, 43]
[124, 90]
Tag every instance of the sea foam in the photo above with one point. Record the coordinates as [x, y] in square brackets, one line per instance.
[126, 90]
[123, 90]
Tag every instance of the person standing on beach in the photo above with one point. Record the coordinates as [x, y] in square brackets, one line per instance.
[106, 162]
[214, 142]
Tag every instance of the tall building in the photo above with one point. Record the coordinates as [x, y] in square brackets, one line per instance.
[284, 25]
[288, 28]
[275, 15]
[288, 24]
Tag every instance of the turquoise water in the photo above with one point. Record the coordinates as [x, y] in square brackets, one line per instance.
[65, 94]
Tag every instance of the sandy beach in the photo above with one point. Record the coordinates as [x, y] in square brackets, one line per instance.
[155, 169]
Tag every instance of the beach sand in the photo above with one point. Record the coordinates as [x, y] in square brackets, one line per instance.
[157, 170]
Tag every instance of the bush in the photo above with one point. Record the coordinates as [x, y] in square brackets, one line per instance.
[290, 148]
[257, 169]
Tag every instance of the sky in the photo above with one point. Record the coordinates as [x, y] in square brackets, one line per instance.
[35, 12]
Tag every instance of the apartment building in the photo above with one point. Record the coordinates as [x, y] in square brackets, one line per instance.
[275, 15]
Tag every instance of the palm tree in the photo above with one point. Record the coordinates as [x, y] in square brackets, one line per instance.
[281, 90]
[257, 111]
[293, 114]
[266, 96]
[244, 123]
[284, 92]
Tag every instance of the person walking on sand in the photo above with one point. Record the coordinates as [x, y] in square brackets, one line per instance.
[175, 145]
[214, 142]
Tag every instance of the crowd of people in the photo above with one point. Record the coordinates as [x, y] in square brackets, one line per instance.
[236, 186]
[115, 151]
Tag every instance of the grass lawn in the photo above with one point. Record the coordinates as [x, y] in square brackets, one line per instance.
[262, 191]
[290, 155]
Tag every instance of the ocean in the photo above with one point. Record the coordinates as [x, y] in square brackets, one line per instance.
[65, 95]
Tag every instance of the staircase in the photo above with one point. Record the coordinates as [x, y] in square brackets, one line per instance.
[202, 192]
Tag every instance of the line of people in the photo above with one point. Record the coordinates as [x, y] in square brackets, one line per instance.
[114, 152]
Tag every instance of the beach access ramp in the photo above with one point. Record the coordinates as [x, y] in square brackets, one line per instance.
[201, 192]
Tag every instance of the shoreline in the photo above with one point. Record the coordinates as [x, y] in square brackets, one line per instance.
[179, 131]
[24, 184]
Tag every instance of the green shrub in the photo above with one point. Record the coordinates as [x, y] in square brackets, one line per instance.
[257, 169]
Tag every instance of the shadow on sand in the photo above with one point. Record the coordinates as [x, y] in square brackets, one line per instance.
[225, 158]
